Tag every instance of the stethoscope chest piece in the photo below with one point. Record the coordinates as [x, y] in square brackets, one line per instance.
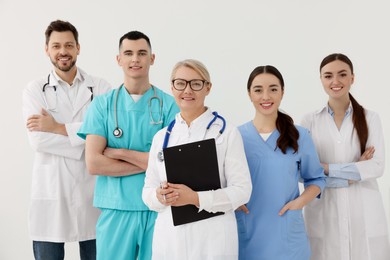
[160, 156]
[117, 132]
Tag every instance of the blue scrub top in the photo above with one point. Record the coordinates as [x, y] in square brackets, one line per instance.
[263, 234]
[125, 193]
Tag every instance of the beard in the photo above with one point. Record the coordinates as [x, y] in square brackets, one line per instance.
[65, 68]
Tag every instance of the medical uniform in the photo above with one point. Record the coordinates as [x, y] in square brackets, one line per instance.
[263, 234]
[215, 237]
[126, 224]
[348, 222]
[61, 192]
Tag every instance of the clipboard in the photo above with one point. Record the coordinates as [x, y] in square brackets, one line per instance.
[195, 165]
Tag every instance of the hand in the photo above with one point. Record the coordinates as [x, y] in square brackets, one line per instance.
[368, 154]
[186, 196]
[292, 205]
[243, 208]
[44, 123]
[326, 168]
[166, 195]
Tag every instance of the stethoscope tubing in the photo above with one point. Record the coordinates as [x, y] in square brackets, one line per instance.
[172, 124]
[118, 132]
[55, 90]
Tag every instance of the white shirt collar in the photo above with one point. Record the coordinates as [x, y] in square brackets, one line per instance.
[77, 78]
[201, 118]
[347, 113]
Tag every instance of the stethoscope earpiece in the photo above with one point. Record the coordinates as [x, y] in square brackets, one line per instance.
[117, 132]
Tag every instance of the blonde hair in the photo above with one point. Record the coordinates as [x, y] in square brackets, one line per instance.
[196, 65]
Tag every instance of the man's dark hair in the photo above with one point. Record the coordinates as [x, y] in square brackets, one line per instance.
[61, 26]
[134, 35]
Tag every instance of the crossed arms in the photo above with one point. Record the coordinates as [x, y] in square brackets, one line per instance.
[116, 162]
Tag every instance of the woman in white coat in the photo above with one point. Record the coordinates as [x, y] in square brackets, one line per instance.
[348, 222]
[215, 237]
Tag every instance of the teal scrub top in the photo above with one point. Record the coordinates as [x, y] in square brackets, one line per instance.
[125, 193]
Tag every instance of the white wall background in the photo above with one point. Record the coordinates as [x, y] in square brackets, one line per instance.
[230, 37]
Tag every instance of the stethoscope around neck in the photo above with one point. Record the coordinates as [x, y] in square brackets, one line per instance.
[118, 132]
[47, 84]
[160, 154]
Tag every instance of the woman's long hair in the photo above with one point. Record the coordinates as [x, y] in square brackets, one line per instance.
[284, 123]
[358, 115]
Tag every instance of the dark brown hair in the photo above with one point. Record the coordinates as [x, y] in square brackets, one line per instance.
[61, 26]
[358, 116]
[284, 123]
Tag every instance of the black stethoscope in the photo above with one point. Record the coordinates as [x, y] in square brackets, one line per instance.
[160, 154]
[118, 132]
[55, 91]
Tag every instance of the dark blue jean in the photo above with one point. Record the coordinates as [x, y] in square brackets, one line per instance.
[55, 251]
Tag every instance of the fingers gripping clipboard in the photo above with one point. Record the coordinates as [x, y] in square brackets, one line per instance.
[195, 165]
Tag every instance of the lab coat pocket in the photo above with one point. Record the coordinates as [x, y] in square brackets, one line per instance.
[44, 182]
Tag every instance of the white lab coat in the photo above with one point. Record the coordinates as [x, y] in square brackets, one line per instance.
[348, 223]
[62, 190]
[212, 238]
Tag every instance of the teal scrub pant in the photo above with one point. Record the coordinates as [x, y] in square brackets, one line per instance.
[122, 234]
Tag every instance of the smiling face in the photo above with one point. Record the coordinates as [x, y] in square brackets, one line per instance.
[135, 58]
[337, 78]
[266, 94]
[188, 100]
[62, 50]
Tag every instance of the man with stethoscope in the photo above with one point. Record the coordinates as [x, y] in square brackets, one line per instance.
[53, 107]
[119, 128]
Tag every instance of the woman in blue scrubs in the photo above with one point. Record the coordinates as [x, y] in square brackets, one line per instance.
[279, 155]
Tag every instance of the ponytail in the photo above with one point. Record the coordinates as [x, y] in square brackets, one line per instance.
[284, 123]
[288, 133]
[359, 123]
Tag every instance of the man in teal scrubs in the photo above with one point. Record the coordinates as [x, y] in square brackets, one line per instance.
[119, 128]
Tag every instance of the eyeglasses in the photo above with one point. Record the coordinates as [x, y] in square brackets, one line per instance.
[195, 84]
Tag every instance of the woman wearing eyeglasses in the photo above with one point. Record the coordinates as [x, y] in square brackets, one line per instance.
[211, 238]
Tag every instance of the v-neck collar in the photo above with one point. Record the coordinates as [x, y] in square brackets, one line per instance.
[270, 142]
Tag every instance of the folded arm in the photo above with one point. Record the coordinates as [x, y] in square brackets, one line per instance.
[100, 164]
[131, 156]
[47, 135]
